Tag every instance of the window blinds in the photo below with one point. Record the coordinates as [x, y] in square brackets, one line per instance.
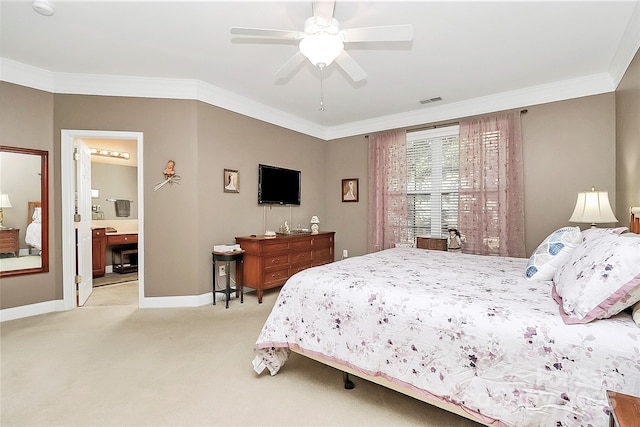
[432, 181]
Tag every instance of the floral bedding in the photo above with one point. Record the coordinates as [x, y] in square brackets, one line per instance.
[467, 329]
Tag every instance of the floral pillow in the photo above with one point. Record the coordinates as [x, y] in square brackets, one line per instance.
[552, 252]
[600, 278]
[594, 233]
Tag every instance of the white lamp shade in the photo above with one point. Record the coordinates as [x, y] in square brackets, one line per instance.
[4, 201]
[314, 220]
[321, 49]
[593, 207]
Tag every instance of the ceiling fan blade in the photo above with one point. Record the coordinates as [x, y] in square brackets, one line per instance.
[351, 67]
[263, 32]
[323, 9]
[390, 33]
[290, 65]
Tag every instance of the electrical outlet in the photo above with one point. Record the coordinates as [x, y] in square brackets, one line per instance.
[222, 270]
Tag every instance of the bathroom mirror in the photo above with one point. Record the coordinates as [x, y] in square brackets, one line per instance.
[24, 207]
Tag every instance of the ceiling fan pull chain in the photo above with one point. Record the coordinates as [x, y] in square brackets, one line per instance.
[322, 108]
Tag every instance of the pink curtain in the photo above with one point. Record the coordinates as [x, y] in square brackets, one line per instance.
[491, 208]
[387, 190]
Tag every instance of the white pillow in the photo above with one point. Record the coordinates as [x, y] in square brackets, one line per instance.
[552, 253]
[599, 279]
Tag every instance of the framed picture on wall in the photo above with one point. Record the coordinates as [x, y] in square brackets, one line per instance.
[350, 190]
[231, 181]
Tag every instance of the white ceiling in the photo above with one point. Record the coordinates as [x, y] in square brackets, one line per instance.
[479, 56]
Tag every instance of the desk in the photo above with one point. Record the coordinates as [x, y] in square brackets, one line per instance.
[227, 257]
[101, 240]
[625, 410]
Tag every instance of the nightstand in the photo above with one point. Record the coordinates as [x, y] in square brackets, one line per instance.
[625, 410]
[9, 240]
[227, 258]
[432, 243]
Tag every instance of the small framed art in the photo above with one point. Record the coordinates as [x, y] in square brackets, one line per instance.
[231, 181]
[350, 190]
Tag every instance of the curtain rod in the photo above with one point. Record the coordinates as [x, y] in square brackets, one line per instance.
[416, 129]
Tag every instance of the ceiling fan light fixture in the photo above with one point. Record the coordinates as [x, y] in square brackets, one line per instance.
[43, 7]
[321, 49]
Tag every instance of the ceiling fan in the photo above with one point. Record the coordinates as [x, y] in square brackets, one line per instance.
[323, 42]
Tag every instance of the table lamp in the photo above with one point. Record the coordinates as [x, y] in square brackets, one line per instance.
[593, 207]
[314, 224]
[4, 203]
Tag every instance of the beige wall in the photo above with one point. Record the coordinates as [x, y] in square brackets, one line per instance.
[628, 141]
[568, 147]
[347, 158]
[26, 120]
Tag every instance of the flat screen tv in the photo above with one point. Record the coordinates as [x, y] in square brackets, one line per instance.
[278, 186]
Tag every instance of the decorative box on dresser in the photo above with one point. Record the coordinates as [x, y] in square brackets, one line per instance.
[432, 243]
[9, 241]
[269, 262]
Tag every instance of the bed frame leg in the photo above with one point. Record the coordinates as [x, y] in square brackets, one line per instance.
[348, 384]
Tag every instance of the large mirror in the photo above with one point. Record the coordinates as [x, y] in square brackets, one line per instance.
[24, 211]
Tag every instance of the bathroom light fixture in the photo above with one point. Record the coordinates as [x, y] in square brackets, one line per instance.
[43, 7]
[110, 153]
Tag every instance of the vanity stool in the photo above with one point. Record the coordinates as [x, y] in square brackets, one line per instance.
[227, 258]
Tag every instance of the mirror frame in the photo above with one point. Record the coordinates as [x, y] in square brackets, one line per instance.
[44, 200]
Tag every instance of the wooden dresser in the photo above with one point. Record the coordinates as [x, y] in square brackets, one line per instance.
[268, 263]
[9, 240]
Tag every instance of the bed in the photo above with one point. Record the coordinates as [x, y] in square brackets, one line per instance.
[467, 333]
[33, 235]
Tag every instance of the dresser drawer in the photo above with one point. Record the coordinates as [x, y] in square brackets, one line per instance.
[300, 267]
[276, 277]
[300, 257]
[323, 242]
[300, 245]
[324, 254]
[275, 248]
[121, 239]
[276, 261]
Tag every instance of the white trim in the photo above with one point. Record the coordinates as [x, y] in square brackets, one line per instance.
[568, 89]
[36, 309]
[67, 139]
[627, 48]
[84, 84]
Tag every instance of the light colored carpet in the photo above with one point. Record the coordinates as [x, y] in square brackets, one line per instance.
[122, 366]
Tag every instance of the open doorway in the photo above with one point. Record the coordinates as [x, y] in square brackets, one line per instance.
[116, 211]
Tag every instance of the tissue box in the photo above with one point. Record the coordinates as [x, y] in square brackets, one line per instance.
[226, 248]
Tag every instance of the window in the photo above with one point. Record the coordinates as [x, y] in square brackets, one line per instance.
[432, 181]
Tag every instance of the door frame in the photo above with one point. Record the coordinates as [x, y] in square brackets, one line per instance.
[67, 141]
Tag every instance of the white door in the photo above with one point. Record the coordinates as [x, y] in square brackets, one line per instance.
[83, 226]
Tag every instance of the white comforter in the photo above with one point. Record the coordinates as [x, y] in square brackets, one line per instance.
[33, 235]
[467, 329]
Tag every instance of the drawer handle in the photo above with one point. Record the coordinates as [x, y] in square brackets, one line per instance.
[275, 261]
[274, 276]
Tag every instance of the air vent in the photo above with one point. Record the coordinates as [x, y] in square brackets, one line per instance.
[430, 100]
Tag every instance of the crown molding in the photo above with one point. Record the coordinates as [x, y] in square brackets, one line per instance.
[145, 87]
[535, 95]
[629, 45]
[149, 87]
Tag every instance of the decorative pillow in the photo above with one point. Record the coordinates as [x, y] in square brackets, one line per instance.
[552, 252]
[591, 233]
[600, 278]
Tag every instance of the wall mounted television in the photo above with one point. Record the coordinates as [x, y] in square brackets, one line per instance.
[278, 186]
